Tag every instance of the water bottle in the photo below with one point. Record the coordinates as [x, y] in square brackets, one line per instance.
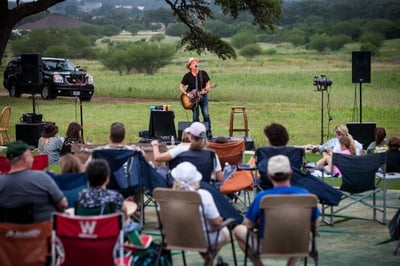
[227, 170]
[172, 140]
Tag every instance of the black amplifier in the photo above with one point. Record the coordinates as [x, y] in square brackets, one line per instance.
[31, 118]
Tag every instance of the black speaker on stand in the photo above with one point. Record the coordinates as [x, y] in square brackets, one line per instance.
[361, 71]
[31, 65]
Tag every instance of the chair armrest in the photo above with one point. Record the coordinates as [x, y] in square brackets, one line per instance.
[226, 222]
[245, 166]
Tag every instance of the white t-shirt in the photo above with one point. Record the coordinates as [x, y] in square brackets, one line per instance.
[210, 211]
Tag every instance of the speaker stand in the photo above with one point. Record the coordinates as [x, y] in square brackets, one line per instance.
[81, 112]
[361, 81]
[33, 101]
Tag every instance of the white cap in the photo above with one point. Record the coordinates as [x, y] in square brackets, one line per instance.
[279, 164]
[186, 175]
[197, 129]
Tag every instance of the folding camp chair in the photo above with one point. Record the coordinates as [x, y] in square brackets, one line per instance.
[102, 210]
[183, 230]
[5, 116]
[19, 215]
[70, 184]
[19, 221]
[30, 250]
[232, 152]
[287, 226]
[87, 240]
[131, 174]
[262, 155]
[40, 162]
[203, 160]
[358, 175]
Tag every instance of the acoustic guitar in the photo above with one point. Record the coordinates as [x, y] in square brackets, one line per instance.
[189, 102]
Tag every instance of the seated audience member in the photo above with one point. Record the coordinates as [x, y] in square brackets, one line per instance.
[346, 144]
[72, 136]
[198, 142]
[280, 172]
[49, 143]
[170, 154]
[69, 163]
[187, 177]
[393, 155]
[22, 185]
[116, 142]
[97, 195]
[340, 130]
[116, 139]
[277, 135]
[380, 143]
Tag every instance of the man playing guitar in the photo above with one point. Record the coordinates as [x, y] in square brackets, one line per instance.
[194, 87]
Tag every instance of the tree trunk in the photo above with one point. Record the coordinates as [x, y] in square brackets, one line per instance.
[10, 17]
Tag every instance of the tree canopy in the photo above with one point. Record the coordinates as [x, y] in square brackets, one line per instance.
[192, 13]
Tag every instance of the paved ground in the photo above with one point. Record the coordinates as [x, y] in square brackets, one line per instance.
[351, 241]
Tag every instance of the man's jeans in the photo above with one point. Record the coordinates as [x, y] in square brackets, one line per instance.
[204, 111]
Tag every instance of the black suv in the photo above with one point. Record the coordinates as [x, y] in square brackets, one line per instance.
[60, 78]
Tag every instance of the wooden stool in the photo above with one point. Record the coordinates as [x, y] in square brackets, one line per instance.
[238, 110]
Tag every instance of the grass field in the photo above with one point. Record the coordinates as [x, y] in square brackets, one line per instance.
[274, 88]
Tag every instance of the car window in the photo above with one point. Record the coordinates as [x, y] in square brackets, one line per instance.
[58, 65]
[65, 66]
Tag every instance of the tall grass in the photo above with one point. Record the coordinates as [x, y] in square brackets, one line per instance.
[274, 88]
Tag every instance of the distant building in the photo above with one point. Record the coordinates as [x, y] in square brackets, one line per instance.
[52, 21]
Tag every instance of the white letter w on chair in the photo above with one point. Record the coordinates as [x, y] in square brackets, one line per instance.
[87, 229]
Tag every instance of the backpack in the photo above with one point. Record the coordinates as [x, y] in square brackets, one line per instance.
[394, 226]
[148, 257]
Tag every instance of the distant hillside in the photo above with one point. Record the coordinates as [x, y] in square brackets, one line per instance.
[53, 21]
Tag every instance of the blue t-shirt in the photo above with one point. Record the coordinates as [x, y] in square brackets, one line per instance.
[256, 215]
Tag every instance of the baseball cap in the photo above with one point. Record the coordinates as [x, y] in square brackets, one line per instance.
[197, 129]
[279, 164]
[17, 148]
[186, 175]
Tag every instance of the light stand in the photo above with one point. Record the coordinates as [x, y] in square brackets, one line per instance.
[322, 85]
[322, 117]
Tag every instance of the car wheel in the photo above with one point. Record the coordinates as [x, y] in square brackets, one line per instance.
[13, 91]
[47, 93]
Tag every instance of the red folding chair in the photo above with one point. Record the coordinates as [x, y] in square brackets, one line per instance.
[40, 162]
[88, 240]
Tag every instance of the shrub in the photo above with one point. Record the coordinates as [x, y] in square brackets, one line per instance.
[251, 50]
[241, 39]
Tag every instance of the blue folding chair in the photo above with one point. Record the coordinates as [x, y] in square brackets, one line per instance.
[70, 184]
[262, 155]
[326, 194]
[358, 175]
